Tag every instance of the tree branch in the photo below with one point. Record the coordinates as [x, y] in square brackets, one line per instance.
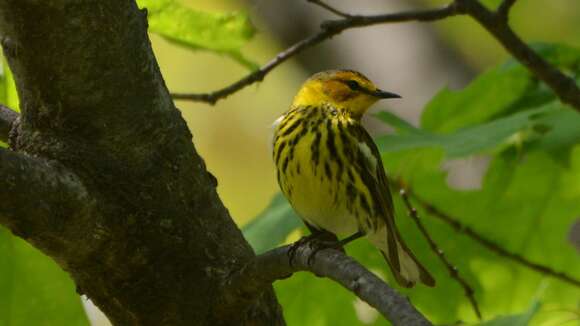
[504, 8]
[7, 118]
[489, 244]
[40, 197]
[276, 265]
[330, 8]
[159, 235]
[453, 271]
[328, 30]
[496, 23]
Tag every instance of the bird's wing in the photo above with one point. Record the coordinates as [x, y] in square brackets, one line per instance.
[376, 180]
[374, 177]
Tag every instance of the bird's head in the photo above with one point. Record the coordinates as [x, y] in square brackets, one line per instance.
[344, 89]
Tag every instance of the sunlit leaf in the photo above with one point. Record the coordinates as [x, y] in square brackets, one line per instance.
[470, 140]
[491, 93]
[224, 33]
[499, 91]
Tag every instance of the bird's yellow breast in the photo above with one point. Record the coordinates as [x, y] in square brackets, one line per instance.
[310, 171]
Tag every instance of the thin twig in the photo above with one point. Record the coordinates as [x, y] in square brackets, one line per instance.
[7, 118]
[251, 280]
[330, 8]
[489, 244]
[562, 85]
[494, 22]
[328, 30]
[454, 273]
[257, 75]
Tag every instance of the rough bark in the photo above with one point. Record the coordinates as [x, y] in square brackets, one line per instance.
[117, 193]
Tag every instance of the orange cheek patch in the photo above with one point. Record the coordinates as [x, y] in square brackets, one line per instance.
[338, 91]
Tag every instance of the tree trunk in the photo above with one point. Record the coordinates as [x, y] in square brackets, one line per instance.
[103, 176]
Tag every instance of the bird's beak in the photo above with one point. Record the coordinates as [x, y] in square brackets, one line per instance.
[384, 94]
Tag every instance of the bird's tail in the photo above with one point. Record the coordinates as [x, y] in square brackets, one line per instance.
[404, 265]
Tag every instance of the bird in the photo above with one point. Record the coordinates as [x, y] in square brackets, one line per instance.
[331, 172]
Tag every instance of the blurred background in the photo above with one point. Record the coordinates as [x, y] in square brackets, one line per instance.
[414, 60]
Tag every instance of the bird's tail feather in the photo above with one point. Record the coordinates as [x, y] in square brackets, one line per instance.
[404, 265]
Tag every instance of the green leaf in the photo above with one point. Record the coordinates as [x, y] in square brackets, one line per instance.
[271, 227]
[486, 136]
[223, 33]
[515, 320]
[499, 91]
[34, 290]
[400, 125]
[558, 131]
[491, 93]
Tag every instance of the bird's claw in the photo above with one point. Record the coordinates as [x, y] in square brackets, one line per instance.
[316, 242]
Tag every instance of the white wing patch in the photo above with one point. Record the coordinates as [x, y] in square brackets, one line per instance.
[277, 121]
[365, 149]
[273, 128]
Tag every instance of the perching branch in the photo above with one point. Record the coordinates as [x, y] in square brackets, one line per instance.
[7, 118]
[453, 272]
[258, 274]
[328, 30]
[491, 245]
[494, 22]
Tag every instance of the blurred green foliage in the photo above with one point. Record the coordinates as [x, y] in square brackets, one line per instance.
[33, 289]
[277, 221]
[223, 33]
[528, 200]
[515, 320]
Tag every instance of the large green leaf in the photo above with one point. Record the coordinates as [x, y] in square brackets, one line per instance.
[224, 33]
[499, 91]
[492, 92]
[485, 136]
[272, 226]
[33, 289]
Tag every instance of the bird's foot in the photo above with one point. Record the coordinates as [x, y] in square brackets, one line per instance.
[317, 242]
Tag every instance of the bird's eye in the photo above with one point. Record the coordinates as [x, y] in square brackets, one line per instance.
[352, 84]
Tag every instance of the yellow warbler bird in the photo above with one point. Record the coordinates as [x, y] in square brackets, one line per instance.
[331, 171]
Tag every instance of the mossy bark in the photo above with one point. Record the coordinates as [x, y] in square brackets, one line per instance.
[104, 176]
